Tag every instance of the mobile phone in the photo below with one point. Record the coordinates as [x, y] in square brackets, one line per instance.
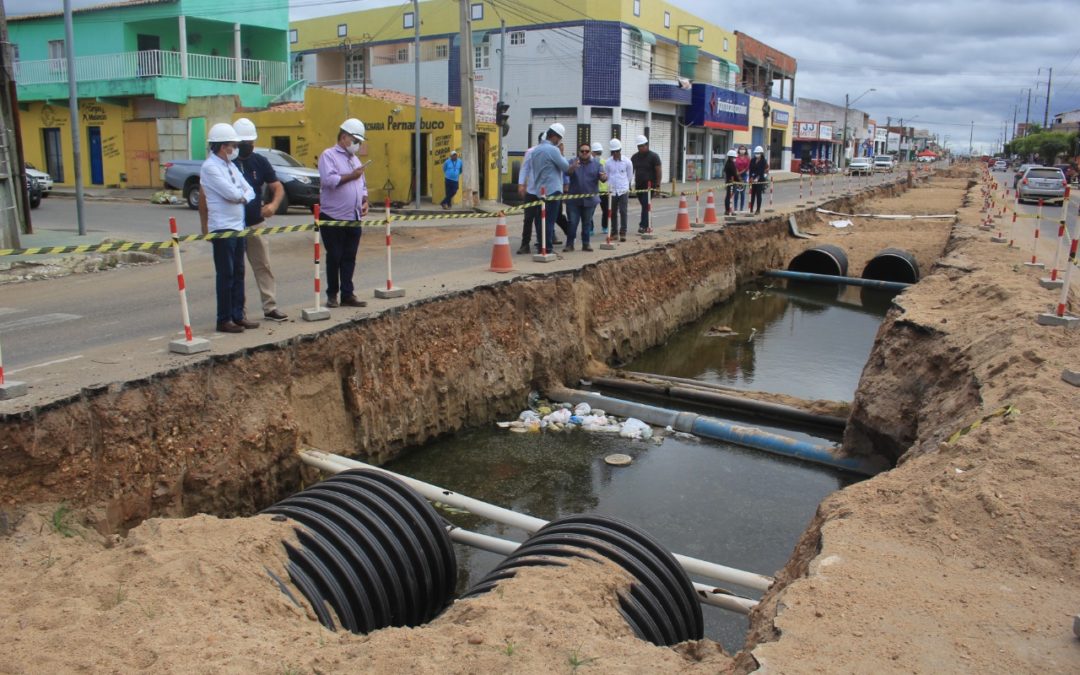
[364, 164]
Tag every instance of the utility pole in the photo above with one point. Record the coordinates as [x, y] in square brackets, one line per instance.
[971, 140]
[502, 72]
[1027, 115]
[843, 154]
[416, 125]
[1016, 110]
[12, 199]
[1046, 114]
[470, 180]
[888, 127]
[73, 108]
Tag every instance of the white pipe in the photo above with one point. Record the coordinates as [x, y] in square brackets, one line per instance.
[332, 463]
[707, 595]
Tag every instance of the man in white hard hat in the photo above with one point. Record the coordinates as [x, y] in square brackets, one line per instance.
[343, 195]
[598, 155]
[759, 175]
[731, 179]
[647, 172]
[451, 176]
[226, 192]
[259, 173]
[620, 176]
[548, 167]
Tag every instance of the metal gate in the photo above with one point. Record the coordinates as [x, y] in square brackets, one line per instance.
[601, 127]
[542, 118]
[662, 142]
[633, 125]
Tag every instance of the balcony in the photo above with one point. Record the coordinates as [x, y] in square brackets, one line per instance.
[154, 72]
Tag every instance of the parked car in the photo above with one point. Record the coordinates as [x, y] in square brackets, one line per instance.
[301, 183]
[1046, 183]
[1071, 174]
[884, 163]
[33, 190]
[1000, 165]
[43, 179]
[860, 166]
[1020, 173]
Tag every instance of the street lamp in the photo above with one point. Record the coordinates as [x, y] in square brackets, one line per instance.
[847, 104]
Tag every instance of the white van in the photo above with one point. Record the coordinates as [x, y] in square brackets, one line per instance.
[883, 163]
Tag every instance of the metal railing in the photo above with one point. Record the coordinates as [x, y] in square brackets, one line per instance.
[271, 76]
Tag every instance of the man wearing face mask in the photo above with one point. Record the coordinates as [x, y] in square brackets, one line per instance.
[343, 195]
[259, 173]
[225, 192]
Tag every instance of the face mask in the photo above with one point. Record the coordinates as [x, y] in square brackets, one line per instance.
[354, 148]
[246, 148]
[234, 154]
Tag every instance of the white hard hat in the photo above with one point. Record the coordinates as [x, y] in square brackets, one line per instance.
[732, 153]
[245, 129]
[222, 133]
[614, 145]
[354, 127]
[759, 150]
[641, 140]
[597, 146]
[558, 129]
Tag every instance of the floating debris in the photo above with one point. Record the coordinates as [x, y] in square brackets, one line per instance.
[618, 459]
[721, 331]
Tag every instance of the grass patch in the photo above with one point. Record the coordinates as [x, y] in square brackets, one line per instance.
[576, 660]
[60, 524]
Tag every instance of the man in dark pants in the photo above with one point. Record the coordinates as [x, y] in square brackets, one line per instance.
[526, 189]
[647, 170]
[452, 174]
[343, 196]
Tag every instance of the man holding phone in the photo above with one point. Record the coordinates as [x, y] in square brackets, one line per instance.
[343, 195]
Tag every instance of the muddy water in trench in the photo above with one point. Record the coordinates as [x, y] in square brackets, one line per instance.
[701, 498]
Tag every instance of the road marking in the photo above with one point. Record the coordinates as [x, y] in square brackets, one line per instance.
[47, 363]
[37, 321]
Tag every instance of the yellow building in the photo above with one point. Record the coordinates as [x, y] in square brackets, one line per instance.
[305, 129]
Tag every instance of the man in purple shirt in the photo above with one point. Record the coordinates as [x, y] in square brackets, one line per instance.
[343, 195]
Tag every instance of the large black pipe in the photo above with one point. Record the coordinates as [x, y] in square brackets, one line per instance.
[688, 390]
[823, 259]
[893, 264]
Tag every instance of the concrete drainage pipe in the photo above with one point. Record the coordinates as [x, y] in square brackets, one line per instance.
[893, 264]
[661, 605]
[823, 259]
[371, 549]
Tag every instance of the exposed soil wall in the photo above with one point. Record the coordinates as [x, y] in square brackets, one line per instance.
[219, 436]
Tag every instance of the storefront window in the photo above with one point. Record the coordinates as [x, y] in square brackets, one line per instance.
[721, 143]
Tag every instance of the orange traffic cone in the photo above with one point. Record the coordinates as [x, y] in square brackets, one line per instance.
[682, 221]
[710, 211]
[500, 252]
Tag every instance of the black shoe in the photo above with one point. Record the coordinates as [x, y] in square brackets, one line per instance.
[353, 301]
[568, 248]
[276, 315]
[247, 324]
[229, 327]
[587, 248]
[524, 250]
[622, 237]
[331, 301]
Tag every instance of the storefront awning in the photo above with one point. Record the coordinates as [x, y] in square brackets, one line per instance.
[646, 37]
[478, 37]
[731, 66]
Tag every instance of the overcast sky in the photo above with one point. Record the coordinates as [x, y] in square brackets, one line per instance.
[941, 64]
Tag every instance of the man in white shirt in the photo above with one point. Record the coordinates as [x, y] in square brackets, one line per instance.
[226, 192]
[620, 176]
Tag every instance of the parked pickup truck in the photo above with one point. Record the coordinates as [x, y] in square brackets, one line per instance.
[301, 183]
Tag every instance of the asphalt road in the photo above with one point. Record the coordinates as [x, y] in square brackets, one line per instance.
[49, 321]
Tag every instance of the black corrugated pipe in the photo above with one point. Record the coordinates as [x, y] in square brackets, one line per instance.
[661, 605]
[371, 549]
[823, 259]
[893, 264]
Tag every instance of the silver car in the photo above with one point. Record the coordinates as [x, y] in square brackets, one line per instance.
[1044, 183]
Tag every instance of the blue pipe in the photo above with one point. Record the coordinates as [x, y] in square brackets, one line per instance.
[833, 279]
[710, 427]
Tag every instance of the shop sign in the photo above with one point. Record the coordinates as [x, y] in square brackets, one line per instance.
[717, 108]
[825, 132]
[806, 130]
[780, 118]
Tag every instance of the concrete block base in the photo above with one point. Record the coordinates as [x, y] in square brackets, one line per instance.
[998, 240]
[1047, 282]
[321, 314]
[195, 346]
[545, 257]
[1073, 378]
[648, 235]
[384, 293]
[607, 247]
[1050, 319]
[1036, 265]
[697, 224]
[12, 389]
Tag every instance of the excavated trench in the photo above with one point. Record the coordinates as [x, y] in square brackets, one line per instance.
[220, 436]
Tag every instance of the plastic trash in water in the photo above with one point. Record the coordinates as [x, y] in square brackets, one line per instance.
[635, 428]
[582, 409]
[560, 416]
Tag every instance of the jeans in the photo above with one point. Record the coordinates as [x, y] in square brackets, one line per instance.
[740, 194]
[605, 213]
[341, 245]
[550, 217]
[532, 215]
[729, 192]
[576, 213]
[643, 199]
[756, 192]
[451, 190]
[619, 213]
[229, 265]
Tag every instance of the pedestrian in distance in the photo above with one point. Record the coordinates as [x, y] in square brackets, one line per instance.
[605, 215]
[585, 176]
[759, 174]
[260, 175]
[547, 168]
[451, 175]
[647, 171]
[226, 192]
[620, 176]
[731, 178]
[343, 195]
[742, 166]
